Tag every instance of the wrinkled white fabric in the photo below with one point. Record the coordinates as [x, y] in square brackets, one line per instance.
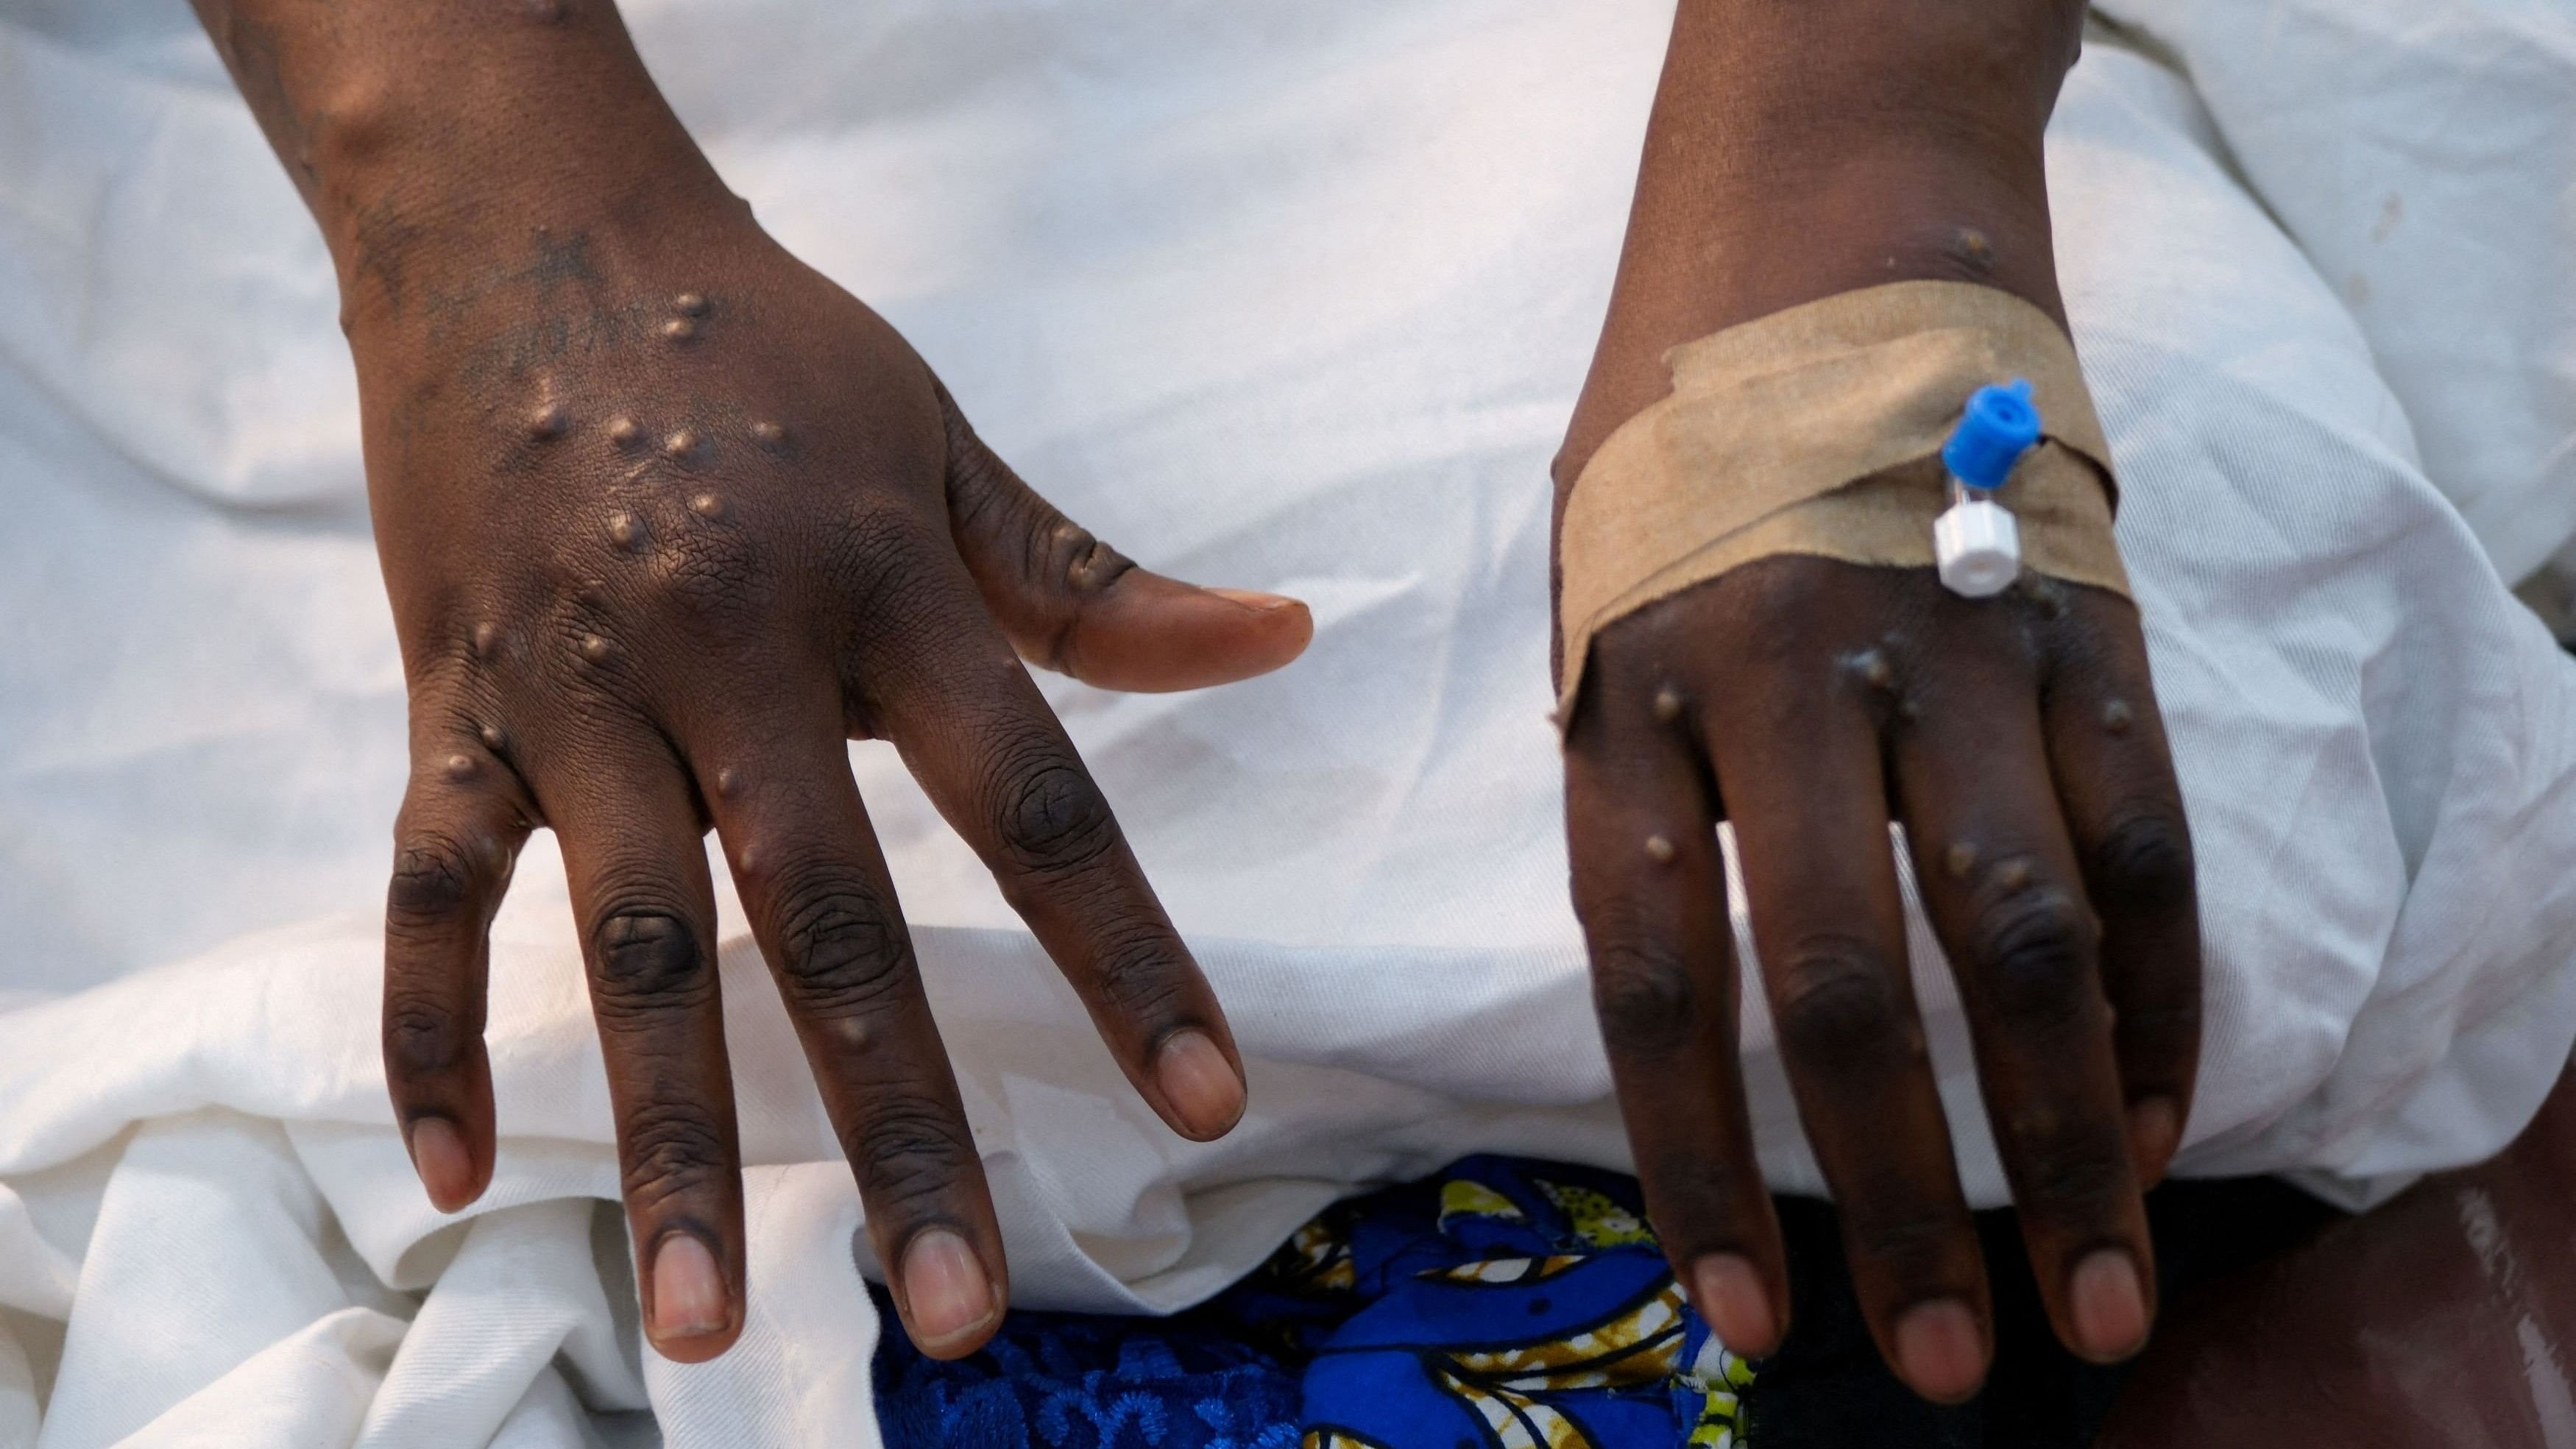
[2422, 156]
[1290, 294]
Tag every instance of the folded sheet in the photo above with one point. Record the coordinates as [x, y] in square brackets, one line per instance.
[1291, 294]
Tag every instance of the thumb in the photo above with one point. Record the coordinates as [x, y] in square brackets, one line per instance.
[1070, 603]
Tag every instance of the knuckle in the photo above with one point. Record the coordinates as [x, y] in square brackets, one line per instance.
[1839, 1006]
[436, 878]
[1069, 551]
[711, 583]
[669, 1149]
[910, 1154]
[845, 951]
[2035, 947]
[1772, 607]
[1138, 973]
[2145, 863]
[1050, 816]
[882, 558]
[648, 960]
[421, 1034]
[1642, 992]
[1778, 588]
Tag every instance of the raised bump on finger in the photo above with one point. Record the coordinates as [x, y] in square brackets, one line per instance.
[2114, 776]
[1794, 740]
[1665, 992]
[2001, 890]
[993, 758]
[456, 840]
[1071, 603]
[646, 911]
[823, 908]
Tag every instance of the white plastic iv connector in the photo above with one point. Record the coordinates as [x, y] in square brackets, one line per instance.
[1977, 545]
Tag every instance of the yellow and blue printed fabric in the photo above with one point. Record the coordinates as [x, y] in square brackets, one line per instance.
[1500, 1304]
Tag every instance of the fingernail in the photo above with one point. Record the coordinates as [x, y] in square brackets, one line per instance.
[1732, 1298]
[1252, 600]
[2109, 1305]
[2155, 1133]
[688, 1291]
[1938, 1352]
[946, 1295]
[1200, 1084]
[438, 1155]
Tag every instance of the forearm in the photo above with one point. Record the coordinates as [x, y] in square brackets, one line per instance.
[432, 136]
[1800, 150]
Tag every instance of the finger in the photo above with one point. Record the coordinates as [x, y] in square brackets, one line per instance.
[992, 757]
[1071, 603]
[2001, 889]
[1799, 766]
[1650, 889]
[646, 911]
[823, 907]
[463, 820]
[2115, 781]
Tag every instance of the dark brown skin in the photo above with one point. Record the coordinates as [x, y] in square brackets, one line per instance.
[2440, 1321]
[632, 633]
[1797, 151]
[666, 517]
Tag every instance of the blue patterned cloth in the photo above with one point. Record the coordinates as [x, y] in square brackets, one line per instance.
[1500, 1304]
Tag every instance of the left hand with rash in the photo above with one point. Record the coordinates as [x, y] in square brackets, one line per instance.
[1797, 152]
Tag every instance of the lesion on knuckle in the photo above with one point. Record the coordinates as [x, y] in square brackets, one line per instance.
[648, 959]
[1644, 996]
[668, 1149]
[1051, 818]
[844, 949]
[910, 1155]
[2035, 950]
[1838, 1004]
[2144, 863]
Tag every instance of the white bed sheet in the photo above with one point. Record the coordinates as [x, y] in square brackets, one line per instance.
[1292, 294]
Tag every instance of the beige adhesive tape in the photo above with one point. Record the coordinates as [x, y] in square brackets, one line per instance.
[1818, 430]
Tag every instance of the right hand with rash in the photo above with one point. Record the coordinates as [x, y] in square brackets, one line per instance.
[666, 518]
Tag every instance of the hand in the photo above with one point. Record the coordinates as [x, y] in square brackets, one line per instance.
[1796, 152]
[1810, 702]
[666, 517]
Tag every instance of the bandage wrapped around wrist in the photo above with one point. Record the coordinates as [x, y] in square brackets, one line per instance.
[1818, 431]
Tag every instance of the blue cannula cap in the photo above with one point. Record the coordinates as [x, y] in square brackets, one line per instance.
[1998, 427]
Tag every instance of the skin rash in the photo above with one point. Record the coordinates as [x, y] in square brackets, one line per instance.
[1796, 152]
[666, 517]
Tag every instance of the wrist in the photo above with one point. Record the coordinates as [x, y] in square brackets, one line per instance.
[424, 246]
[434, 142]
[1796, 152]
